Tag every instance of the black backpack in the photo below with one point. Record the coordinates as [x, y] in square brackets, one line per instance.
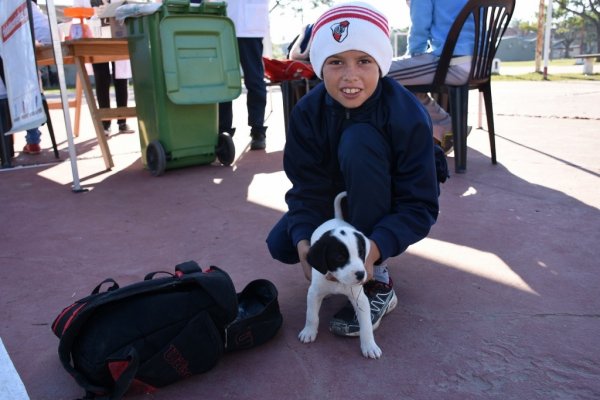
[152, 333]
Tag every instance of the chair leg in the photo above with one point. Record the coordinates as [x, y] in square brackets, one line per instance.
[489, 111]
[459, 105]
[287, 94]
[50, 128]
[6, 142]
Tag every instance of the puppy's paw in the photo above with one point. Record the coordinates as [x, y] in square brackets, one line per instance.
[370, 350]
[307, 335]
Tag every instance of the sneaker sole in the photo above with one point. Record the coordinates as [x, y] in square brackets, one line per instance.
[32, 153]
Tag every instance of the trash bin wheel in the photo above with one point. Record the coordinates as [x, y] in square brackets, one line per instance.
[156, 158]
[225, 150]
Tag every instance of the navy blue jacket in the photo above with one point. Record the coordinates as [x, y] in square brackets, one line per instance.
[310, 162]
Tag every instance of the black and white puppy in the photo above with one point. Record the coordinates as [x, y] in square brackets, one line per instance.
[338, 250]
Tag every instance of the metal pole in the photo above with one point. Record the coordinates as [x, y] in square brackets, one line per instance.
[547, 38]
[58, 56]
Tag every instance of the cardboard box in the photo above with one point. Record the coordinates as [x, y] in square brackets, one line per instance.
[117, 30]
[107, 13]
[109, 10]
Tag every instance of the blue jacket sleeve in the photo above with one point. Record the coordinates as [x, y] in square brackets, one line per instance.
[309, 200]
[421, 16]
[415, 204]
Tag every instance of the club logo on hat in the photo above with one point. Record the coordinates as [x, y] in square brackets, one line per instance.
[340, 31]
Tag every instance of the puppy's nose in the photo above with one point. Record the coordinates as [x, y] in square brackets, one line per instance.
[360, 275]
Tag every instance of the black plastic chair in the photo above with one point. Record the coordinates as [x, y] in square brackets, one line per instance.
[491, 19]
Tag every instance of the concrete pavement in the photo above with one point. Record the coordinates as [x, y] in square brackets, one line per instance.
[499, 302]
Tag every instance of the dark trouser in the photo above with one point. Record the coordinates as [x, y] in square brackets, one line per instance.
[365, 157]
[103, 77]
[250, 50]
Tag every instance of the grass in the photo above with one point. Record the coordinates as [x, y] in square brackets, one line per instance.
[538, 76]
[560, 62]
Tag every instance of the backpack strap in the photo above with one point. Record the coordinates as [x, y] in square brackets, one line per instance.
[123, 372]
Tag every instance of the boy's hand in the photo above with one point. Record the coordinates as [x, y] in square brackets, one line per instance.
[372, 257]
[303, 246]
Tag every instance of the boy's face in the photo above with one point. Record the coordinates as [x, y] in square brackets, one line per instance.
[350, 77]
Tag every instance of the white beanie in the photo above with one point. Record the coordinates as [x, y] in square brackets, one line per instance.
[351, 26]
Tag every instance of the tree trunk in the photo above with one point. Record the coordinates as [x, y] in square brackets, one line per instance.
[540, 38]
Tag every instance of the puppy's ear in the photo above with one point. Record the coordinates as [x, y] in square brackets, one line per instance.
[361, 245]
[317, 254]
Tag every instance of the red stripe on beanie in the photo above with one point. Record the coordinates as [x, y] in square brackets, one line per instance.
[359, 9]
[353, 12]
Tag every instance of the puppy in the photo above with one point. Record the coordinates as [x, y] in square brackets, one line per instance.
[339, 251]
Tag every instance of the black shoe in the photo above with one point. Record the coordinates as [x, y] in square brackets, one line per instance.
[124, 128]
[258, 135]
[447, 143]
[382, 299]
[258, 143]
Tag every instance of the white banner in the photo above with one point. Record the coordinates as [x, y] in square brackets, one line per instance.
[20, 70]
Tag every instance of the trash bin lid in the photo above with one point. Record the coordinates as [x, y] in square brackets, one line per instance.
[200, 59]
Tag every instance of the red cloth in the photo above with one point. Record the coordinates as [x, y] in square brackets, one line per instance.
[287, 70]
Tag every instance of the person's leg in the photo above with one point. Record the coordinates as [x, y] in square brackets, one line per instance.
[440, 119]
[33, 139]
[226, 118]
[251, 50]
[365, 157]
[33, 136]
[420, 70]
[417, 70]
[280, 243]
[121, 93]
[102, 79]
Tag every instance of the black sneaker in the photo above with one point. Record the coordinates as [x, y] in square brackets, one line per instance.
[382, 299]
[258, 135]
[447, 143]
[124, 128]
[258, 143]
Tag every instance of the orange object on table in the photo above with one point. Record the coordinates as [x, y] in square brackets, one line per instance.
[79, 12]
[80, 30]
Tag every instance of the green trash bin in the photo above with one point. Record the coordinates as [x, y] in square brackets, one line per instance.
[184, 62]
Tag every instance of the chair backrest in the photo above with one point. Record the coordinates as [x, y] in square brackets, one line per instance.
[491, 18]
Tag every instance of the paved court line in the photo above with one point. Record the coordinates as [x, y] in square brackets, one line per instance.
[11, 386]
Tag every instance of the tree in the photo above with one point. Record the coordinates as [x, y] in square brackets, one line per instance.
[539, 44]
[298, 6]
[569, 30]
[588, 10]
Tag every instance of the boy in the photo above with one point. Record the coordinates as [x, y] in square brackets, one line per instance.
[360, 132]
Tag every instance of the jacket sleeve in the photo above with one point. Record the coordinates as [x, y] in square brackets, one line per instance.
[415, 188]
[309, 200]
[421, 18]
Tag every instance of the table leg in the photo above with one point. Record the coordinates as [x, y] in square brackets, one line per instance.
[78, 91]
[91, 101]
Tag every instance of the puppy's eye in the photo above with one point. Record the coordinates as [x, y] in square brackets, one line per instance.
[340, 258]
